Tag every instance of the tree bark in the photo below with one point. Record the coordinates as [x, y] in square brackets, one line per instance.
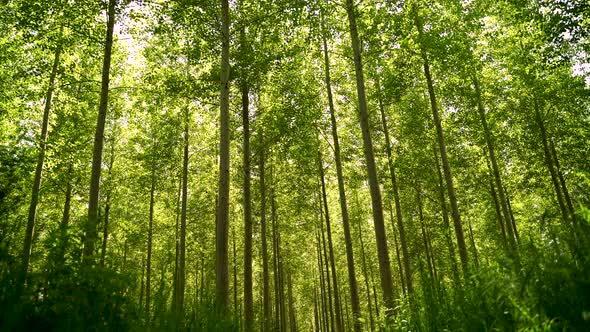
[107, 209]
[566, 193]
[445, 214]
[292, 316]
[248, 297]
[105, 230]
[65, 221]
[222, 227]
[511, 215]
[399, 261]
[28, 241]
[182, 245]
[354, 298]
[505, 217]
[148, 290]
[91, 234]
[325, 320]
[176, 248]
[366, 275]
[549, 162]
[266, 322]
[337, 305]
[497, 208]
[235, 274]
[443, 152]
[327, 276]
[380, 234]
[424, 237]
[396, 198]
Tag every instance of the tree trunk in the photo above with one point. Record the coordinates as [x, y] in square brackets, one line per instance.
[65, 221]
[443, 153]
[235, 274]
[549, 162]
[356, 311]
[248, 297]
[354, 298]
[505, 217]
[176, 248]
[91, 234]
[292, 316]
[105, 230]
[566, 193]
[424, 238]
[398, 208]
[445, 214]
[182, 246]
[337, 305]
[511, 215]
[399, 261]
[380, 234]
[472, 239]
[141, 286]
[497, 205]
[222, 229]
[107, 209]
[266, 322]
[28, 241]
[316, 320]
[325, 299]
[366, 275]
[327, 276]
[148, 290]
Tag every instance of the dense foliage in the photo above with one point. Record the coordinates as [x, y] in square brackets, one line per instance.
[295, 165]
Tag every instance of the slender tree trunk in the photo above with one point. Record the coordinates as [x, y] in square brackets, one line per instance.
[327, 276]
[105, 230]
[549, 162]
[281, 298]
[337, 305]
[148, 290]
[443, 153]
[505, 217]
[221, 263]
[316, 320]
[323, 288]
[235, 274]
[125, 248]
[511, 215]
[497, 205]
[399, 261]
[352, 284]
[248, 298]
[366, 275]
[182, 246]
[91, 234]
[432, 255]
[65, 221]
[445, 213]
[28, 242]
[424, 238]
[107, 208]
[292, 316]
[472, 239]
[266, 322]
[380, 234]
[396, 198]
[141, 286]
[566, 193]
[176, 248]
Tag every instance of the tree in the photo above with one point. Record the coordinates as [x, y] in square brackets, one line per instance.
[382, 251]
[91, 231]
